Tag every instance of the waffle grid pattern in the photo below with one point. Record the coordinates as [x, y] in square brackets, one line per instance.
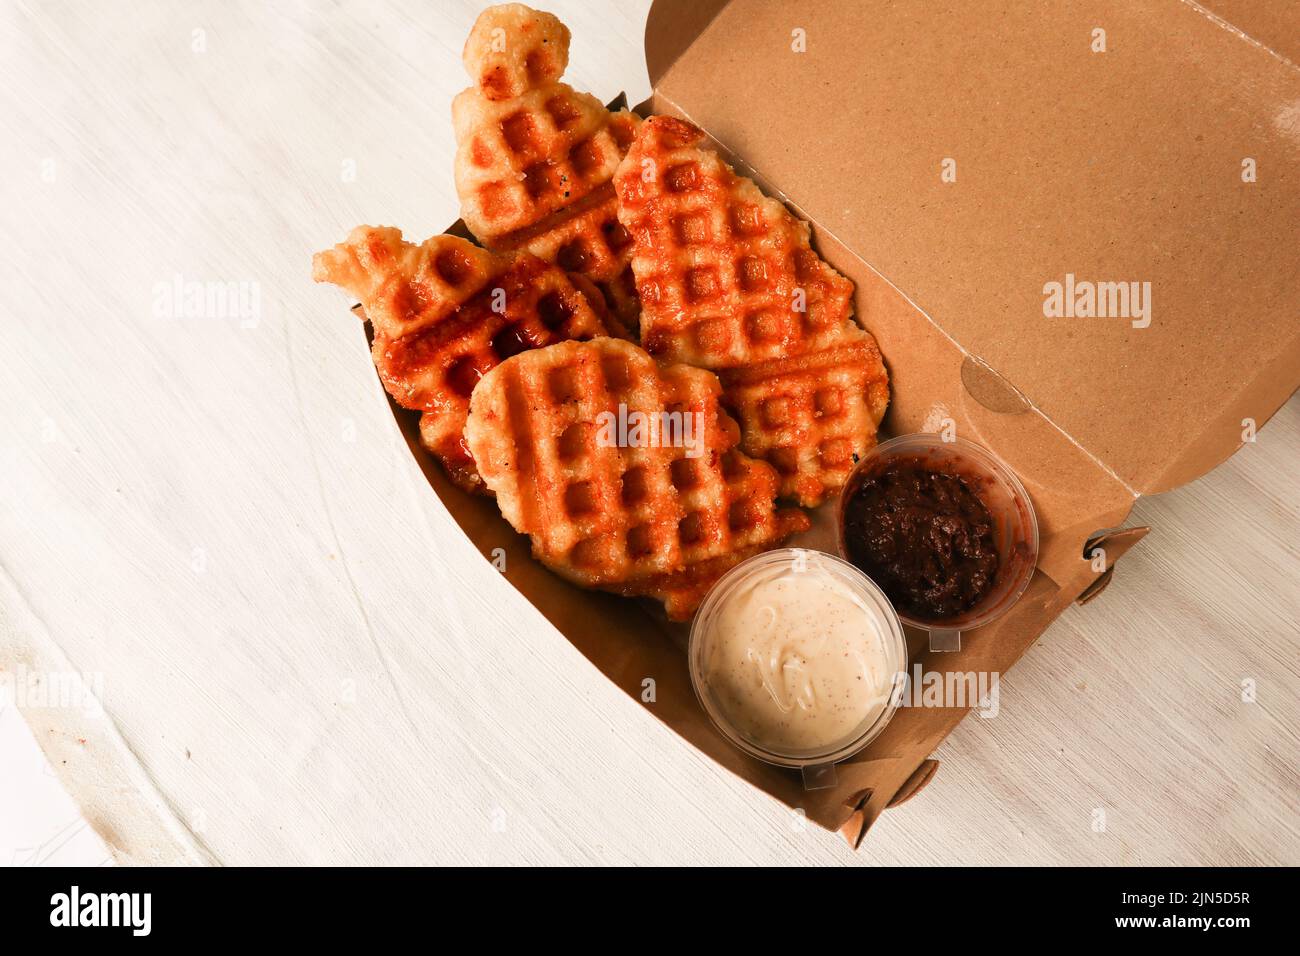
[648, 520]
[524, 159]
[808, 415]
[729, 281]
[459, 312]
[727, 277]
[535, 158]
[593, 243]
[513, 47]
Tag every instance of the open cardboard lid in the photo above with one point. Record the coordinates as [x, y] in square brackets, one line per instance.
[1117, 166]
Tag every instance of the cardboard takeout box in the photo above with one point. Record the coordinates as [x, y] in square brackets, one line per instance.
[956, 159]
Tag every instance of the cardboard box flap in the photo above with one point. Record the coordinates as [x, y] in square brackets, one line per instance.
[1272, 25]
[672, 27]
[1149, 171]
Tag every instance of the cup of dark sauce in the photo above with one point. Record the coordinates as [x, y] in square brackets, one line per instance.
[944, 528]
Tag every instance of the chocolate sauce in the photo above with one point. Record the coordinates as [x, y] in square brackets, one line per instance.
[925, 536]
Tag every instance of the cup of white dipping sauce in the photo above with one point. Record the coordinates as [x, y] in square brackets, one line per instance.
[796, 656]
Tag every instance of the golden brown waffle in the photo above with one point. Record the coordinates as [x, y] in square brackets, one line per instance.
[728, 280]
[535, 158]
[812, 415]
[444, 314]
[645, 518]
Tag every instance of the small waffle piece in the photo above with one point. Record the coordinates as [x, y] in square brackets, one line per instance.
[535, 158]
[446, 312]
[610, 507]
[812, 415]
[729, 281]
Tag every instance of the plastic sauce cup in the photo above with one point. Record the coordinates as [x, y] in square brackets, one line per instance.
[794, 644]
[1015, 526]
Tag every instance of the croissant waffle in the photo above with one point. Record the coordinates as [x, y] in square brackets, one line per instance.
[654, 519]
[535, 158]
[728, 281]
[444, 314]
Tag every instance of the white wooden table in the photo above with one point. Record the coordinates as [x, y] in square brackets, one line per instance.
[300, 657]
